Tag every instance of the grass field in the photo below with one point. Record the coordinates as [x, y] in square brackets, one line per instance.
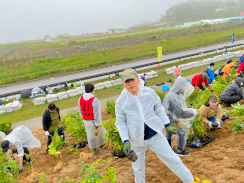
[35, 59]
[50, 66]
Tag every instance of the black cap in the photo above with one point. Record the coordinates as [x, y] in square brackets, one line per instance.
[212, 64]
[5, 145]
[89, 88]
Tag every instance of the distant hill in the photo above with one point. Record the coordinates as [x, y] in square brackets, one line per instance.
[194, 10]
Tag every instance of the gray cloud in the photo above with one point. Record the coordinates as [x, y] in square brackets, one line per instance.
[32, 19]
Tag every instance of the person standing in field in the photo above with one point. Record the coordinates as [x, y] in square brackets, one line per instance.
[140, 120]
[143, 77]
[177, 71]
[51, 123]
[90, 111]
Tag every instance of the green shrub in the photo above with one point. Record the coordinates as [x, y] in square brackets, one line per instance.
[110, 107]
[74, 125]
[198, 129]
[161, 94]
[57, 142]
[114, 140]
[237, 125]
[91, 174]
[238, 109]
[9, 169]
[220, 84]
[197, 99]
[5, 125]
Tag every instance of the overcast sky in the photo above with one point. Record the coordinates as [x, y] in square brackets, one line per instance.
[32, 19]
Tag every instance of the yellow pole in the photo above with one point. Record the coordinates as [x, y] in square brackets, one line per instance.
[160, 52]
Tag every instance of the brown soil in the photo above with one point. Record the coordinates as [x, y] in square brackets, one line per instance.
[220, 161]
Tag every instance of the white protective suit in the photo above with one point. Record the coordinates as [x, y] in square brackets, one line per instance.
[93, 141]
[132, 112]
[179, 114]
[22, 137]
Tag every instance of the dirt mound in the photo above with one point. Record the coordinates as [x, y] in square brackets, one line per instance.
[221, 161]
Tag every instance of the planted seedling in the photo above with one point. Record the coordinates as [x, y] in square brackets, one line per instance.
[91, 174]
[43, 179]
[237, 125]
[114, 140]
[57, 142]
[9, 169]
[110, 107]
[74, 125]
[238, 109]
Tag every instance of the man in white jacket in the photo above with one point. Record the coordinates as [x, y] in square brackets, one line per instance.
[140, 120]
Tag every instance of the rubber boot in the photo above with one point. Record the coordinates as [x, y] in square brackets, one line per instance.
[95, 151]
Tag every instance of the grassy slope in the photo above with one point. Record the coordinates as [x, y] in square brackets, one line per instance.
[30, 111]
[50, 66]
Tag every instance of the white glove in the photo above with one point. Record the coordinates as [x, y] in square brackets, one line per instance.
[214, 80]
[210, 125]
[237, 74]
[47, 133]
[229, 75]
[219, 125]
[195, 113]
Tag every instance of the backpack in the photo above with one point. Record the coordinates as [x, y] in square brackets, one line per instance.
[206, 70]
[220, 70]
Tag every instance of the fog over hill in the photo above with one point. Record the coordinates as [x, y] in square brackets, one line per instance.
[32, 19]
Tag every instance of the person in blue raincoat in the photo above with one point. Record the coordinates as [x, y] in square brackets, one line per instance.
[210, 72]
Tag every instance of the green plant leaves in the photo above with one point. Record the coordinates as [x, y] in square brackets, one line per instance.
[9, 169]
[74, 125]
[238, 126]
[110, 107]
[5, 125]
[57, 142]
[112, 134]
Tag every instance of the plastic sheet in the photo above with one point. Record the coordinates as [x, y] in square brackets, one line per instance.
[25, 93]
[175, 106]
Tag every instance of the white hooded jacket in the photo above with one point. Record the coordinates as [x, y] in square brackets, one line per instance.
[132, 112]
[22, 137]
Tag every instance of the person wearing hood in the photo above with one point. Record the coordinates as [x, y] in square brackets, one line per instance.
[90, 111]
[210, 72]
[179, 114]
[232, 93]
[51, 123]
[226, 70]
[20, 139]
[241, 68]
[241, 59]
[211, 113]
[198, 80]
[140, 120]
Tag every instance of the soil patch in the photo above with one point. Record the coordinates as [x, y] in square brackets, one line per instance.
[221, 161]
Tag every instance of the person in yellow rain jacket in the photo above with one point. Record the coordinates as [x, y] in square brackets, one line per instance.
[226, 70]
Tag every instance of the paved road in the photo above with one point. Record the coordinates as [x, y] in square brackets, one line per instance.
[105, 70]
